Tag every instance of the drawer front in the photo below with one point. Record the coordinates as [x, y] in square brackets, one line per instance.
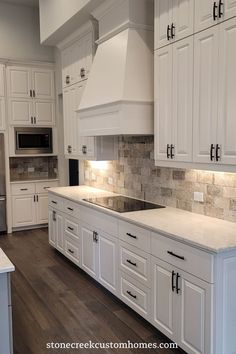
[42, 187]
[100, 221]
[71, 208]
[135, 263]
[135, 235]
[55, 202]
[135, 295]
[71, 227]
[72, 248]
[187, 258]
[22, 188]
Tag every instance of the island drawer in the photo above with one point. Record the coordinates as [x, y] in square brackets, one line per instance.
[72, 248]
[71, 208]
[72, 227]
[135, 235]
[185, 257]
[55, 202]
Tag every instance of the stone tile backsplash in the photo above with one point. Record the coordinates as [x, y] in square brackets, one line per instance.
[134, 174]
[31, 168]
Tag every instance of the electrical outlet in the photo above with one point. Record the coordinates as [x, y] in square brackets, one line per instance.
[110, 180]
[30, 169]
[199, 197]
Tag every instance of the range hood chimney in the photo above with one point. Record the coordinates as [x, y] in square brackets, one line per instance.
[118, 97]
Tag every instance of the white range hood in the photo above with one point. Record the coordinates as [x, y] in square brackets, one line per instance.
[118, 97]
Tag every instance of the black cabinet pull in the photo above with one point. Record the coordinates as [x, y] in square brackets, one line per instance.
[54, 216]
[71, 209]
[132, 263]
[67, 79]
[37, 198]
[177, 283]
[212, 155]
[168, 151]
[32, 120]
[175, 255]
[95, 236]
[24, 189]
[82, 73]
[53, 201]
[70, 228]
[172, 31]
[72, 252]
[31, 95]
[214, 11]
[34, 199]
[173, 281]
[34, 93]
[84, 149]
[130, 235]
[221, 9]
[217, 152]
[168, 33]
[172, 149]
[130, 294]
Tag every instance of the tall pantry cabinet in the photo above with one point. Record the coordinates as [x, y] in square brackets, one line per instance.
[77, 53]
[195, 84]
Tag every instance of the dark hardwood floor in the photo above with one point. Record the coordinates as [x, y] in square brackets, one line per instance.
[55, 301]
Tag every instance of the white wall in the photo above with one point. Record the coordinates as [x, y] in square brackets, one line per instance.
[55, 13]
[20, 35]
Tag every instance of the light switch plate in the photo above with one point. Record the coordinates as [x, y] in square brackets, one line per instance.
[199, 197]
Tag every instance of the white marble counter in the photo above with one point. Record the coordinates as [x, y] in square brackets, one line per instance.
[5, 264]
[210, 234]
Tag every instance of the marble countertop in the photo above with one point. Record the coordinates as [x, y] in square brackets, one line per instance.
[5, 264]
[207, 233]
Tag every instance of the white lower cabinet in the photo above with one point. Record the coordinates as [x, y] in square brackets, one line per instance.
[23, 210]
[89, 253]
[182, 307]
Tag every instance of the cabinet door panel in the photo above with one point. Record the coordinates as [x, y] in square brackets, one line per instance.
[163, 101]
[44, 112]
[2, 81]
[60, 232]
[183, 99]
[195, 314]
[163, 18]
[229, 9]
[43, 83]
[107, 262]
[204, 15]
[88, 251]
[163, 307]
[42, 209]
[67, 120]
[23, 211]
[20, 111]
[205, 93]
[183, 13]
[19, 82]
[51, 227]
[227, 103]
[2, 113]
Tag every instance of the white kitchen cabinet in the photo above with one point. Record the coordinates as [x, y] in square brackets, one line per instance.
[52, 226]
[173, 21]
[173, 101]
[182, 307]
[209, 13]
[226, 126]
[214, 92]
[56, 229]
[77, 60]
[23, 210]
[2, 80]
[20, 111]
[89, 250]
[44, 112]
[6, 340]
[2, 113]
[43, 84]
[42, 209]
[19, 82]
[107, 262]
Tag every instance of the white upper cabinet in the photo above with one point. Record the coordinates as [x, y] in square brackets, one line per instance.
[173, 102]
[31, 96]
[210, 12]
[2, 98]
[43, 83]
[77, 60]
[2, 80]
[173, 20]
[19, 82]
[226, 133]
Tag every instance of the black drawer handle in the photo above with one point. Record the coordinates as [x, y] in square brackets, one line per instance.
[70, 228]
[72, 252]
[221, 9]
[177, 283]
[53, 201]
[214, 11]
[173, 281]
[176, 255]
[24, 189]
[130, 235]
[132, 263]
[70, 209]
[130, 294]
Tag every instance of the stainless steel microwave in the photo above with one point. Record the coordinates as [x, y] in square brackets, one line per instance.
[33, 141]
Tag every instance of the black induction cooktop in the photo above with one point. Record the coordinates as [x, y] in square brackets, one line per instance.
[123, 204]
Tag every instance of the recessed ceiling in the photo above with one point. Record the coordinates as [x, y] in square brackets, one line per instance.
[34, 3]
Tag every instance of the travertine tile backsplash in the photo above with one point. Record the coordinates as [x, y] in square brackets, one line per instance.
[135, 175]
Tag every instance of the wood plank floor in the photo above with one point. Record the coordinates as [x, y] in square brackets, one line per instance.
[55, 301]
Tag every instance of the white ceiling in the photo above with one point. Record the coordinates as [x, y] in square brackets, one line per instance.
[34, 3]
